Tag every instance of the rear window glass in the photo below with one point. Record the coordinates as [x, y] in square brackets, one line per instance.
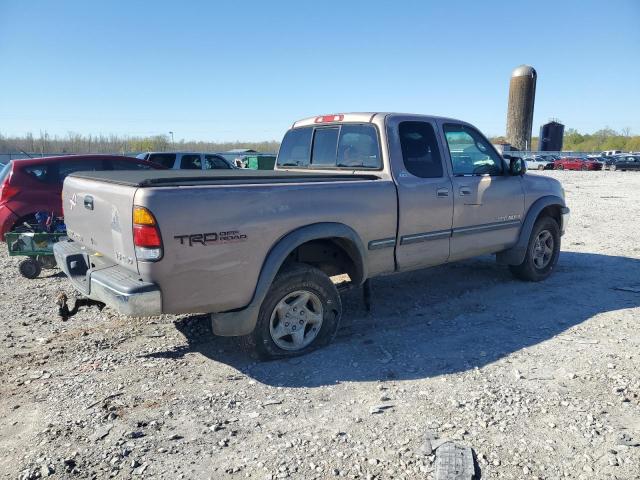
[349, 146]
[325, 141]
[295, 148]
[42, 173]
[70, 166]
[165, 159]
[358, 147]
[125, 165]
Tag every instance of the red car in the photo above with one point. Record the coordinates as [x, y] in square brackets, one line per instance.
[32, 185]
[576, 163]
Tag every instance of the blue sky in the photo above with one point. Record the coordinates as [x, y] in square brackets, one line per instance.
[229, 70]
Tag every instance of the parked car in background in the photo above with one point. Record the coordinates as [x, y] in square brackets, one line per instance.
[188, 160]
[608, 161]
[626, 162]
[538, 162]
[612, 152]
[33, 185]
[576, 163]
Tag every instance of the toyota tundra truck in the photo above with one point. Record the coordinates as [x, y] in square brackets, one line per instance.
[358, 194]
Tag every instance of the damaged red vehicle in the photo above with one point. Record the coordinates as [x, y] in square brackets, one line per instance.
[34, 185]
[576, 163]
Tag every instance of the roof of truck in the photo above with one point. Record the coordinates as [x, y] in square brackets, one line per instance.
[361, 117]
[175, 178]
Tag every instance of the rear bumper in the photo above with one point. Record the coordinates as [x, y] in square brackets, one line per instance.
[120, 289]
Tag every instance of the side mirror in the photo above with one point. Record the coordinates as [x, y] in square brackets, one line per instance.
[517, 166]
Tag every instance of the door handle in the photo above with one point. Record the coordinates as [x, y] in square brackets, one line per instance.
[442, 192]
[465, 191]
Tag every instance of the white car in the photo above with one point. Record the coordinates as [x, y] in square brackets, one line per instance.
[188, 160]
[538, 163]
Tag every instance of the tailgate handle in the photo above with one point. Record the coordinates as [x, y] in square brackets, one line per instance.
[88, 202]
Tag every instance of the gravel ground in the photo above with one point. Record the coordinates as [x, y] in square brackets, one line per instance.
[541, 380]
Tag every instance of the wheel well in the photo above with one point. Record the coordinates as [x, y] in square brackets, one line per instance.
[553, 211]
[333, 256]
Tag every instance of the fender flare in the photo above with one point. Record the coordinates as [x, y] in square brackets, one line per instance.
[242, 321]
[515, 255]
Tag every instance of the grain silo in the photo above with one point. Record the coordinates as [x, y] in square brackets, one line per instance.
[551, 136]
[522, 94]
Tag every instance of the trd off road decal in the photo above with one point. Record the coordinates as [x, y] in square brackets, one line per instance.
[211, 238]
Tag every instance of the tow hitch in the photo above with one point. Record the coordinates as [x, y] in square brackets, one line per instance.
[66, 313]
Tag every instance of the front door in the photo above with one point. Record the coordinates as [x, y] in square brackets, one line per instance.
[488, 202]
[424, 193]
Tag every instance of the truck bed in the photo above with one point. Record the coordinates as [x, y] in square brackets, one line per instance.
[179, 178]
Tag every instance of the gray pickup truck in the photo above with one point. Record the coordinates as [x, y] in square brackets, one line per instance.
[361, 194]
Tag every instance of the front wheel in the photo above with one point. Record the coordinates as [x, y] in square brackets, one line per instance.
[301, 312]
[560, 167]
[542, 253]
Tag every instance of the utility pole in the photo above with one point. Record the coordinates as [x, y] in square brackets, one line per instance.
[173, 144]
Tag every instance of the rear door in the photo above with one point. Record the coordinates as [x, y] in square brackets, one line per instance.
[424, 193]
[488, 202]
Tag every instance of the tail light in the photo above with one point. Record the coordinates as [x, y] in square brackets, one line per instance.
[146, 235]
[7, 191]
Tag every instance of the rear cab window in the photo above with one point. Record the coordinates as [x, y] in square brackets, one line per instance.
[346, 146]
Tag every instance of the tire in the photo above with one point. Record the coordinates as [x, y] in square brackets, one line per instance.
[612, 168]
[299, 290]
[536, 265]
[560, 167]
[540, 167]
[584, 167]
[30, 268]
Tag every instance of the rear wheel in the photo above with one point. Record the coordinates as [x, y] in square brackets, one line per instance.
[560, 167]
[300, 312]
[542, 253]
[584, 167]
[612, 168]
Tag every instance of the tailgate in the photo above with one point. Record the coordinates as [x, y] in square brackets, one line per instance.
[99, 216]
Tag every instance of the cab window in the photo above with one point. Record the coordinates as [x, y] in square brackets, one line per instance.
[471, 153]
[420, 151]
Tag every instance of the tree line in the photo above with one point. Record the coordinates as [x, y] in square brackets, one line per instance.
[604, 139]
[77, 143]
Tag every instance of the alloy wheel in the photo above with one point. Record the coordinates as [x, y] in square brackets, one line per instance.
[296, 320]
